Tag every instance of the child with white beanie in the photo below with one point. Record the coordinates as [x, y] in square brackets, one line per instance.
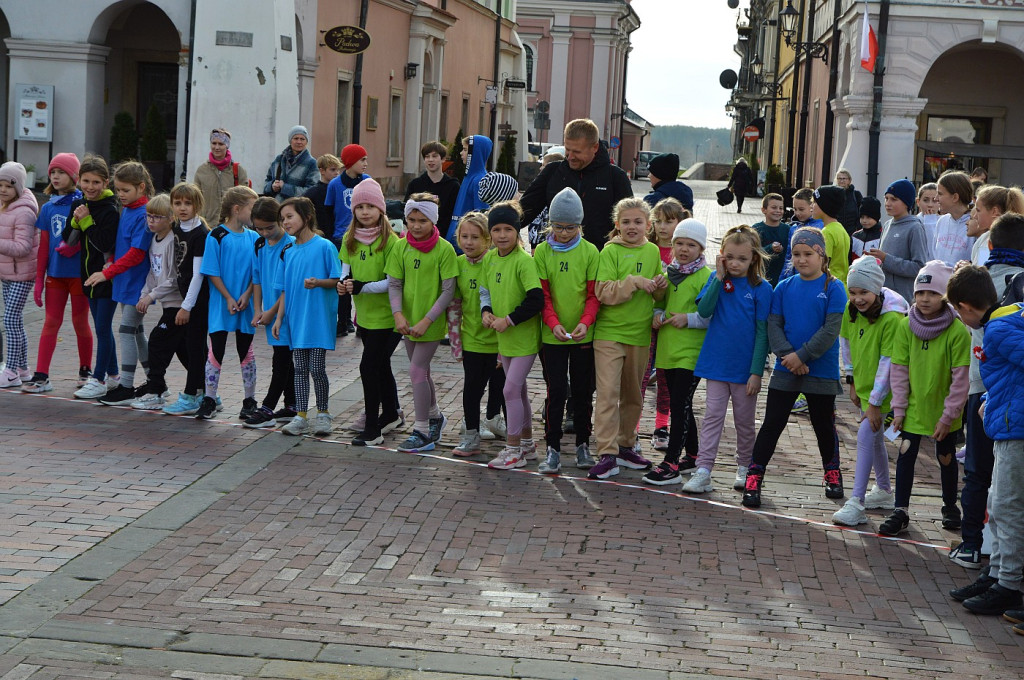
[19, 242]
[866, 342]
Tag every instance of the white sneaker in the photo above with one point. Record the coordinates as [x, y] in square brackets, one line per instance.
[37, 386]
[496, 425]
[149, 402]
[740, 483]
[851, 514]
[485, 432]
[359, 424]
[699, 482]
[297, 427]
[93, 389]
[113, 381]
[322, 424]
[509, 458]
[10, 379]
[529, 451]
[25, 374]
[879, 499]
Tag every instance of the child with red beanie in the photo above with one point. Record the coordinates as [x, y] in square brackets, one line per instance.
[57, 274]
[339, 197]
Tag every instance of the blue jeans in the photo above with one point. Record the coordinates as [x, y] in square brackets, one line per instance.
[106, 351]
[978, 462]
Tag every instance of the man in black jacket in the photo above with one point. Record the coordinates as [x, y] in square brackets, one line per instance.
[587, 170]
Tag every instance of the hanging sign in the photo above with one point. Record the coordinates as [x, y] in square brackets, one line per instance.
[347, 39]
[751, 133]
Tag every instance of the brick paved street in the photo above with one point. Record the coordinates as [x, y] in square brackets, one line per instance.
[213, 552]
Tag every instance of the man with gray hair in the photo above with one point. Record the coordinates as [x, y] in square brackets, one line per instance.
[587, 170]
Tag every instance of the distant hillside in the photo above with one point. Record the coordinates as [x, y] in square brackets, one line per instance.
[685, 139]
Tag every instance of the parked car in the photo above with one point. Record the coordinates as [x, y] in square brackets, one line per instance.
[643, 159]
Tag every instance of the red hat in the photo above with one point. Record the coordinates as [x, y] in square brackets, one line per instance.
[352, 154]
[68, 162]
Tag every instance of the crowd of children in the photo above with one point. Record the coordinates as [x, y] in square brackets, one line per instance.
[895, 310]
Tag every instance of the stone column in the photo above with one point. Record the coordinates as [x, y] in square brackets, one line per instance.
[559, 80]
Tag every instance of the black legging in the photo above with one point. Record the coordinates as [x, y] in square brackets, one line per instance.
[219, 341]
[380, 392]
[165, 341]
[682, 434]
[282, 379]
[565, 364]
[480, 368]
[822, 409]
[949, 469]
[195, 343]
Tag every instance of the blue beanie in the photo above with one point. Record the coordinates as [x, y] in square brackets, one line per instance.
[904, 190]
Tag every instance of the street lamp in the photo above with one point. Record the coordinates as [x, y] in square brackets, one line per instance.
[756, 66]
[788, 20]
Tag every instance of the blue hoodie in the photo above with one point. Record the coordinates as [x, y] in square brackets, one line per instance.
[53, 215]
[468, 200]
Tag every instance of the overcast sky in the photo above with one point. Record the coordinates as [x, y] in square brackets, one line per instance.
[678, 53]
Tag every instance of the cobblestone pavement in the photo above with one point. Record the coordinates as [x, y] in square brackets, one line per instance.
[146, 546]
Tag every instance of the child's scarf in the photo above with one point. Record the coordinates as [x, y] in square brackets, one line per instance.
[929, 329]
[427, 244]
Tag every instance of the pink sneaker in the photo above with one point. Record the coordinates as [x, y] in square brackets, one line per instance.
[9, 378]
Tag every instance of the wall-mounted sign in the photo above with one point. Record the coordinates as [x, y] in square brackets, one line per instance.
[33, 115]
[347, 39]
[751, 133]
[515, 84]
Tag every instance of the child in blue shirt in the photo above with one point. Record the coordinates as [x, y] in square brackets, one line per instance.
[269, 247]
[307, 308]
[803, 331]
[228, 262]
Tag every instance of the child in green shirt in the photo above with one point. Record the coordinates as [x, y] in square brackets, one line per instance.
[928, 399]
[421, 284]
[628, 274]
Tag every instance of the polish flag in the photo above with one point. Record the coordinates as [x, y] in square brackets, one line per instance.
[868, 44]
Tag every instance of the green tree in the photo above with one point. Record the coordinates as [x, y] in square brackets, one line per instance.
[458, 168]
[124, 138]
[507, 157]
[153, 146]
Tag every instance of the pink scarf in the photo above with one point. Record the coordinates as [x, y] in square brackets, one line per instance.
[427, 244]
[366, 235]
[221, 165]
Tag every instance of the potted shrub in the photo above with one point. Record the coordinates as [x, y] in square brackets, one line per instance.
[774, 180]
[124, 138]
[153, 147]
[30, 176]
[457, 169]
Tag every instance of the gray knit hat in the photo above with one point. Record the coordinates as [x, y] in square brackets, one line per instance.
[566, 208]
[496, 187]
[298, 130]
[866, 273]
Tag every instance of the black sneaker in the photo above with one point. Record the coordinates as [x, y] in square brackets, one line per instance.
[349, 326]
[951, 517]
[341, 331]
[686, 464]
[568, 426]
[752, 492]
[1014, 615]
[437, 426]
[666, 473]
[249, 408]
[368, 438]
[84, 373]
[119, 396]
[995, 600]
[285, 415]
[207, 409]
[263, 417]
[833, 484]
[897, 523]
[983, 583]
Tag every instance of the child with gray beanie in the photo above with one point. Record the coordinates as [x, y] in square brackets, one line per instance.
[866, 340]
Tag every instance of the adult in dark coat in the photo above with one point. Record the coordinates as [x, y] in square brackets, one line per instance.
[741, 181]
[849, 215]
[587, 170]
[663, 170]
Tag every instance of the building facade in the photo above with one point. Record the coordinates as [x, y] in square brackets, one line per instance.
[951, 90]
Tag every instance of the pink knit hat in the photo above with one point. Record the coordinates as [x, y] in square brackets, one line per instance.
[368, 191]
[934, 276]
[68, 162]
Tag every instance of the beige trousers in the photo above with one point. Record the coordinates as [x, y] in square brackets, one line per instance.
[619, 370]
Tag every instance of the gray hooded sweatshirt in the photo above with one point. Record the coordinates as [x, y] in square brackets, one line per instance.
[906, 248]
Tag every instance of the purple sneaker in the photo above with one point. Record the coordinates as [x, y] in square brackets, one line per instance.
[605, 468]
[628, 457]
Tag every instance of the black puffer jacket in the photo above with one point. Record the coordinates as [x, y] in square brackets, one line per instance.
[849, 216]
[97, 240]
[600, 186]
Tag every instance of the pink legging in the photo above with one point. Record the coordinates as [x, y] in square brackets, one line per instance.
[424, 396]
[716, 402]
[517, 401]
[56, 298]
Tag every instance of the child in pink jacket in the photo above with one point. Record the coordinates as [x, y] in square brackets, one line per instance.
[19, 243]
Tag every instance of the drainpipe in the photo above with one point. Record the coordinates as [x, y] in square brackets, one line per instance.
[876, 110]
[792, 103]
[497, 84]
[774, 104]
[808, 67]
[833, 85]
[188, 88]
[357, 81]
